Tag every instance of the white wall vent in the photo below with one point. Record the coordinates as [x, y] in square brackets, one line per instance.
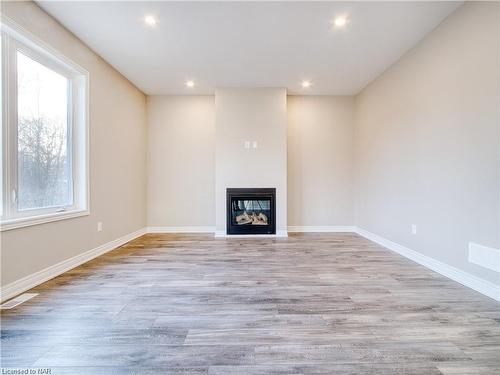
[484, 256]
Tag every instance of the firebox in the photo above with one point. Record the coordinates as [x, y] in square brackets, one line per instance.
[251, 211]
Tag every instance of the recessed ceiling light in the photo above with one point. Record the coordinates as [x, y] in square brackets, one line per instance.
[340, 22]
[190, 83]
[150, 20]
[306, 84]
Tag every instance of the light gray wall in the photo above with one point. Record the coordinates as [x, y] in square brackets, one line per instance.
[181, 152]
[320, 160]
[427, 143]
[255, 115]
[117, 160]
[181, 168]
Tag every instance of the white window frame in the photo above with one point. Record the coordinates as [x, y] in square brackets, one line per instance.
[14, 39]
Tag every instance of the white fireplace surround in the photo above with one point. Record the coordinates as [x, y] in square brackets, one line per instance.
[244, 118]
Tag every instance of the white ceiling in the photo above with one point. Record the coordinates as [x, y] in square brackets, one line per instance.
[250, 44]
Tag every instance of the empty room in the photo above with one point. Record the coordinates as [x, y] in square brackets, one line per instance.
[231, 187]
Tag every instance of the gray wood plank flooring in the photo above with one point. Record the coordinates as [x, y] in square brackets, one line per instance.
[308, 304]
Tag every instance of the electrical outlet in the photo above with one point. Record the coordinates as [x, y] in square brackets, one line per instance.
[255, 144]
[99, 226]
[246, 144]
[414, 228]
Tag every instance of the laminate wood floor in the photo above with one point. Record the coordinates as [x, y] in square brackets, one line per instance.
[309, 304]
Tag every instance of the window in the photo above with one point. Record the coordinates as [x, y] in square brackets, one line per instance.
[44, 133]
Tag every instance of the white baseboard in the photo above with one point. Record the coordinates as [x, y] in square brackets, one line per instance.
[281, 233]
[189, 229]
[223, 234]
[19, 286]
[210, 229]
[220, 234]
[321, 228]
[480, 285]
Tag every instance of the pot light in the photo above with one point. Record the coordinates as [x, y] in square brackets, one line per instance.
[340, 22]
[150, 20]
[190, 84]
[306, 84]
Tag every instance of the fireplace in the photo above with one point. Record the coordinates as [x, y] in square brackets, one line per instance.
[251, 211]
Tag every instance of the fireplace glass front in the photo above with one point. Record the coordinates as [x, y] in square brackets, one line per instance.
[251, 211]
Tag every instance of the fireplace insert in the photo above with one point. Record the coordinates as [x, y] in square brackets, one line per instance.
[251, 211]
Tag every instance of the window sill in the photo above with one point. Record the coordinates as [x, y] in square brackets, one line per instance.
[40, 219]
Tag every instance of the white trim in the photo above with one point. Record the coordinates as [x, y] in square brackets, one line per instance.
[41, 219]
[14, 302]
[480, 285]
[211, 229]
[223, 234]
[321, 228]
[281, 233]
[19, 286]
[484, 256]
[26, 36]
[189, 229]
[20, 39]
[28, 282]
[220, 234]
